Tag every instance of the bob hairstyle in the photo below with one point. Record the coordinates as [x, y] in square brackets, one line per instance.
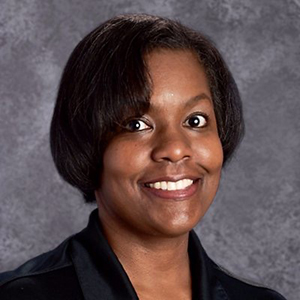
[106, 80]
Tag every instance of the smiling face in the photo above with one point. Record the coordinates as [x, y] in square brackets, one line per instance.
[161, 173]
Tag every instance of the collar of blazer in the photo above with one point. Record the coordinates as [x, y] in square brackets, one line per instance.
[100, 272]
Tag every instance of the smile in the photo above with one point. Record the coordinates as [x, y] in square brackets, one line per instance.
[181, 189]
[170, 185]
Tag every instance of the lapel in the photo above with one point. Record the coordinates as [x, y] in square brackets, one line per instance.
[100, 274]
[206, 286]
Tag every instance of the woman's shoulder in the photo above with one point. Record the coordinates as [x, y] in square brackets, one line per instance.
[221, 283]
[236, 288]
[50, 273]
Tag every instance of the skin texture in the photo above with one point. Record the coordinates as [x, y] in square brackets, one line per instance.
[149, 232]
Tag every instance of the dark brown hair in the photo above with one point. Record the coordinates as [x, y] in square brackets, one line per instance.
[106, 79]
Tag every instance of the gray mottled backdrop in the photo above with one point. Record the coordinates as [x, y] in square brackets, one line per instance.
[253, 227]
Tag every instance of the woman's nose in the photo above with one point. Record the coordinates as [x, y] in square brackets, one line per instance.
[171, 146]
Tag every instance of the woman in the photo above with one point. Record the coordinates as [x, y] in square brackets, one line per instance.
[147, 114]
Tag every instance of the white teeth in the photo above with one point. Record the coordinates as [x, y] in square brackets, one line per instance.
[171, 185]
[163, 185]
[157, 185]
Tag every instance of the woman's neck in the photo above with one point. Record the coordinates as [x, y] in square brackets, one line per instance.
[158, 267]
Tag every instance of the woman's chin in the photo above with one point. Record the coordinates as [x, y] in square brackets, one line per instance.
[176, 227]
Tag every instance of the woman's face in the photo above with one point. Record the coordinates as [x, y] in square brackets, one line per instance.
[161, 174]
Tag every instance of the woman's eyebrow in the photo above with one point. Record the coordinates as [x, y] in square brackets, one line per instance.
[197, 98]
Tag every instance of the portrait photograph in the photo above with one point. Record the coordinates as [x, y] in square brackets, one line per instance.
[150, 150]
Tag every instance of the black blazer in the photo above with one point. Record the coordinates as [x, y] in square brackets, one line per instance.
[85, 267]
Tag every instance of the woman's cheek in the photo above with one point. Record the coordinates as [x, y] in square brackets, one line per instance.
[124, 158]
[210, 153]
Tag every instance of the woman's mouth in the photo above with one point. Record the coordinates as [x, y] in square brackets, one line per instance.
[170, 185]
[176, 190]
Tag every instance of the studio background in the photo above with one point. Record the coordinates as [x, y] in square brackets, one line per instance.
[253, 227]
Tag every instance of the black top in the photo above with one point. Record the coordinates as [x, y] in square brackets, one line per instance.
[85, 267]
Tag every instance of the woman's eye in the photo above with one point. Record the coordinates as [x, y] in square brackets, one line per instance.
[196, 121]
[136, 125]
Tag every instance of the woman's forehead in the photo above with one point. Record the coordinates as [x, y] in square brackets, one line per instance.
[176, 76]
